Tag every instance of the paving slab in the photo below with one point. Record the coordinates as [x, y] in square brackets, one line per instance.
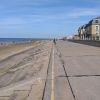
[82, 65]
[59, 70]
[62, 89]
[86, 88]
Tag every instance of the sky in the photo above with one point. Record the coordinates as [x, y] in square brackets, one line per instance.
[45, 18]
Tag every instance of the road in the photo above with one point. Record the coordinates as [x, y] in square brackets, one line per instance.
[65, 71]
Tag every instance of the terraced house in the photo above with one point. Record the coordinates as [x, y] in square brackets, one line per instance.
[82, 32]
[90, 31]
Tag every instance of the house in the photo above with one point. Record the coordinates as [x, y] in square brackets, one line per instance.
[76, 37]
[82, 32]
[90, 31]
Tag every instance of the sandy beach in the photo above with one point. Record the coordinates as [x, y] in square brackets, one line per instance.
[23, 68]
[8, 50]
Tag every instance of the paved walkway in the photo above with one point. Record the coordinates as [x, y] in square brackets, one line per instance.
[76, 72]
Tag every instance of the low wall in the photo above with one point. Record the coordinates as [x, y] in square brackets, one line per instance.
[87, 42]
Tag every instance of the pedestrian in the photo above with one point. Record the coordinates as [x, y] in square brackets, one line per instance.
[54, 41]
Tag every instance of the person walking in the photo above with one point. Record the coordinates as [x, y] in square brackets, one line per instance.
[54, 41]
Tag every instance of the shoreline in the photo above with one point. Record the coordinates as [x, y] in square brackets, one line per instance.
[4, 43]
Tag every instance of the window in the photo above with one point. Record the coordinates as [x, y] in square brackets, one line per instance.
[97, 34]
[96, 21]
[97, 28]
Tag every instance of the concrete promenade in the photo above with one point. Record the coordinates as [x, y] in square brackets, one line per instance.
[76, 72]
[81, 64]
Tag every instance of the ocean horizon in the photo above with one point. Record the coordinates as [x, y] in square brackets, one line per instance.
[10, 40]
[15, 40]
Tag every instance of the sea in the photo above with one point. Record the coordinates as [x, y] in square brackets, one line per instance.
[16, 40]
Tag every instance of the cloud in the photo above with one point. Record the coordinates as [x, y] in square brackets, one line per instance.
[59, 16]
[81, 12]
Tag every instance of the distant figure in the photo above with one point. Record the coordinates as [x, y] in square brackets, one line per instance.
[54, 41]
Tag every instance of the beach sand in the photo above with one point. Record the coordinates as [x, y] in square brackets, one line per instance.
[11, 49]
[23, 70]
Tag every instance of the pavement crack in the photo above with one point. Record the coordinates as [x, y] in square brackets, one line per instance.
[79, 76]
[83, 56]
[83, 75]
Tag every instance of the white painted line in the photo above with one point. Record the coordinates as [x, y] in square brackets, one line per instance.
[52, 87]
